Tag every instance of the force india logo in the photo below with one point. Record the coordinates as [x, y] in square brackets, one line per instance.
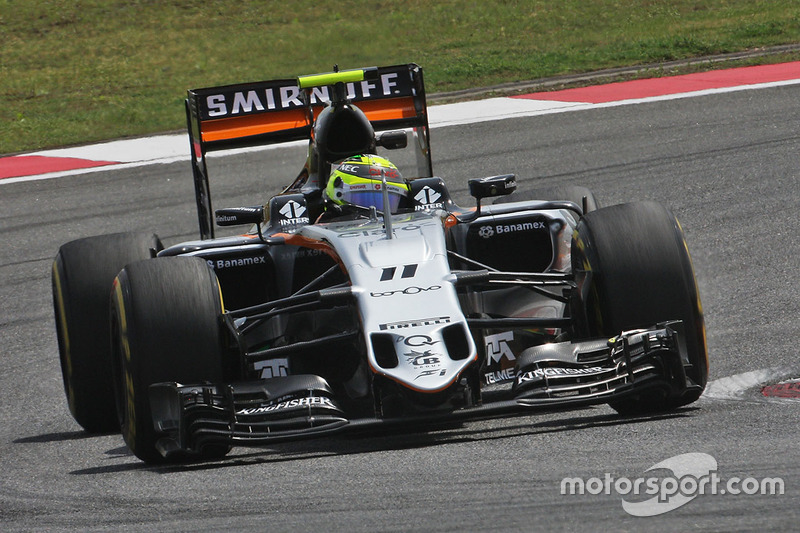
[488, 232]
[313, 401]
[413, 227]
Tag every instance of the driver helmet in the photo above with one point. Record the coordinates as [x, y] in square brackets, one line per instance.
[357, 181]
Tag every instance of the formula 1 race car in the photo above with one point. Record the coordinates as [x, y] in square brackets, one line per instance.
[362, 298]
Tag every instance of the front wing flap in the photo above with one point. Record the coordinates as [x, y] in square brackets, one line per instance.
[194, 416]
[599, 371]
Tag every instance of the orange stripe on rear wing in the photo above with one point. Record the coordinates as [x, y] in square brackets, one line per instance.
[389, 109]
[227, 129]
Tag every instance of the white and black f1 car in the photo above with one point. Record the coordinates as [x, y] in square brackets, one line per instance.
[324, 319]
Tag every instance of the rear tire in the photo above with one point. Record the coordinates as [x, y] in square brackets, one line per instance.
[166, 327]
[82, 273]
[641, 274]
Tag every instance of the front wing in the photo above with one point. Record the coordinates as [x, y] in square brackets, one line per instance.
[553, 376]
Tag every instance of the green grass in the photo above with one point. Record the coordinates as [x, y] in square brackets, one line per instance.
[74, 71]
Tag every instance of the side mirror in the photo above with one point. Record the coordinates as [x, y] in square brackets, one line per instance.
[480, 188]
[235, 216]
[492, 186]
[392, 140]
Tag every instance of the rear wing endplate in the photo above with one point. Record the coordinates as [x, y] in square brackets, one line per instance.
[279, 111]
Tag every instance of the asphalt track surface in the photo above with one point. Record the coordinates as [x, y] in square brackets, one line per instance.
[726, 164]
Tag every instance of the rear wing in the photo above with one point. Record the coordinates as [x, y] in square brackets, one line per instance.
[279, 111]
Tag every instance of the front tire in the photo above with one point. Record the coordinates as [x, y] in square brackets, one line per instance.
[82, 273]
[166, 327]
[633, 270]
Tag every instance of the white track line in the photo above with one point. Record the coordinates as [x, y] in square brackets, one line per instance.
[741, 386]
[164, 149]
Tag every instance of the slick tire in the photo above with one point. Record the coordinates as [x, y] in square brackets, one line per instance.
[563, 193]
[641, 274]
[82, 274]
[166, 327]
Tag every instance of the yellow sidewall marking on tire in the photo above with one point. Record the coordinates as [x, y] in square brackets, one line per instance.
[699, 304]
[130, 397]
[62, 320]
